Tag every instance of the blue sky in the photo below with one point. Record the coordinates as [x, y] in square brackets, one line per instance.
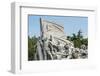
[71, 24]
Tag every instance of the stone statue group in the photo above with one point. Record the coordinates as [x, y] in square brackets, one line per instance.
[47, 49]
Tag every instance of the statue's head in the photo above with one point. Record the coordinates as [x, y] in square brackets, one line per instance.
[83, 47]
[50, 38]
[58, 43]
[77, 50]
[44, 39]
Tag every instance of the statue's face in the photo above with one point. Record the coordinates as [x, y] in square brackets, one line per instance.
[45, 39]
[58, 43]
[75, 55]
[76, 50]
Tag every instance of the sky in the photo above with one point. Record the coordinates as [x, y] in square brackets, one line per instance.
[71, 24]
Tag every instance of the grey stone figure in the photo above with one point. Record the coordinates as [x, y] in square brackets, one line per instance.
[75, 53]
[43, 51]
[47, 49]
[67, 49]
[83, 52]
[39, 51]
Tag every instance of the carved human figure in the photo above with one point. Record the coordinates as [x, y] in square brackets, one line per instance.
[39, 51]
[59, 52]
[66, 48]
[75, 53]
[83, 47]
[47, 49]
[51, 46]
[83, 51]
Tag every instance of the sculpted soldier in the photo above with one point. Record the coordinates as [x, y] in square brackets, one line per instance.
[47, 49]
[75, 53]
[83, 51]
